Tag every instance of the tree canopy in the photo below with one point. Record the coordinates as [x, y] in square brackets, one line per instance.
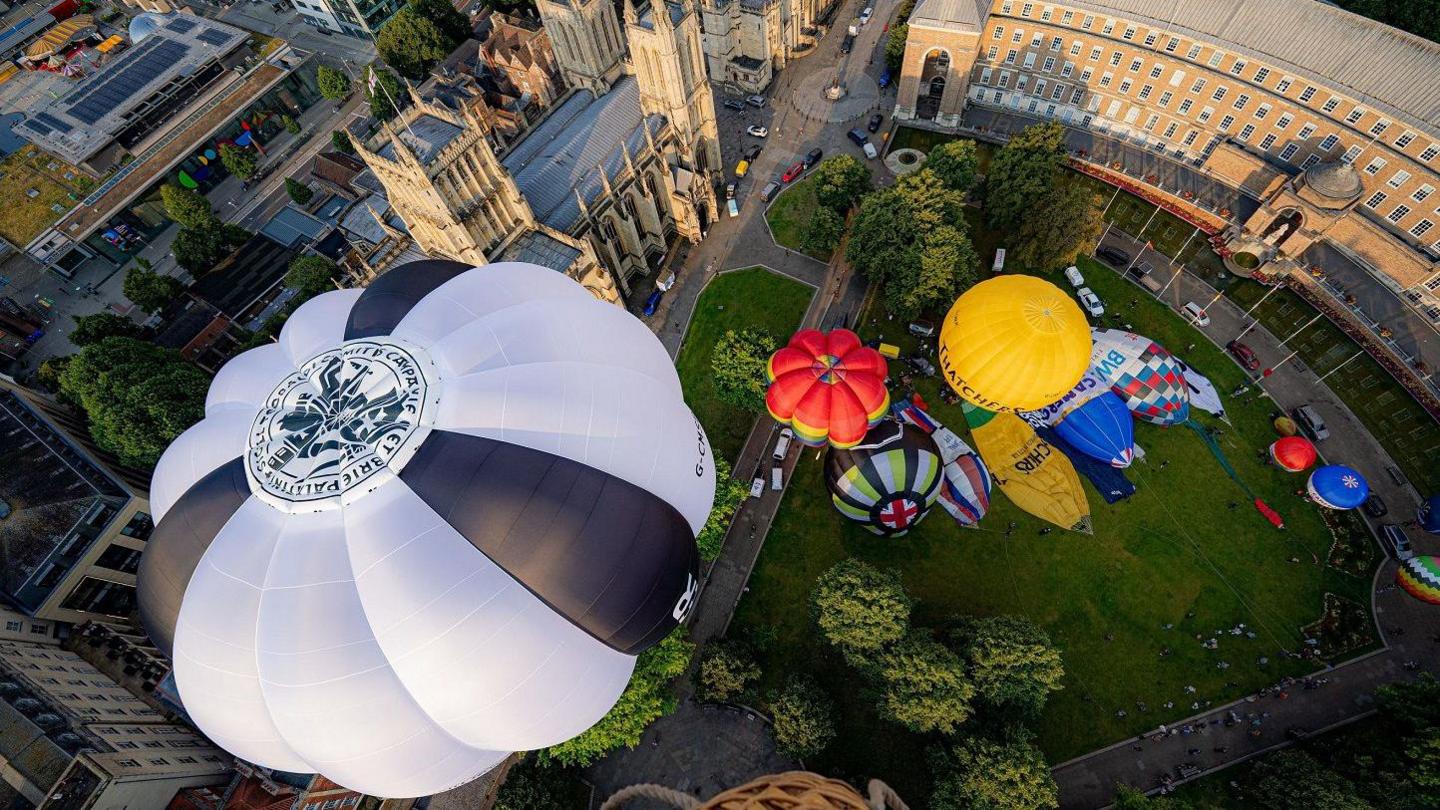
[1291, 780]
[895, 47]
[531, 785]
[981, 774]
[824, 232]
[926, 688]
[239, 161]
[1022, 172]
[310, 276]
[730, 492]
[419, 35]
[298, 191]
[150, 290]
[138, 396]
[386, 95]
[187, 208]
[95, 328]
[802, 718]
[198, 250]
[645, 699]
[727, 670]
[454, 25]
[333, 84]
[860, 609]
[738, 365]
[839, 182]
[1062, 224]
[955, 163]
[340, 140]
[1014, 665]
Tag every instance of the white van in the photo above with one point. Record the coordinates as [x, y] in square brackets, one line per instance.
[782, 446]
[777, 478]
[870, 152]
[1195, 314]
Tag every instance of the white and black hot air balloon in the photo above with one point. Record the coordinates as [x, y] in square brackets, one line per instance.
[433, 524]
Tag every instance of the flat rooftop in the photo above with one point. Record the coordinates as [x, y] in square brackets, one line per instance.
[87, 117]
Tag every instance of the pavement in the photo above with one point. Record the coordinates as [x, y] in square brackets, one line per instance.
[290, 26]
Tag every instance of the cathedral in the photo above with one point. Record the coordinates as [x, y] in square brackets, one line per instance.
[617, 171]
[746, 41]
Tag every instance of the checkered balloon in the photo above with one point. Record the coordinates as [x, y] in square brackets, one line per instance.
[1143, 374]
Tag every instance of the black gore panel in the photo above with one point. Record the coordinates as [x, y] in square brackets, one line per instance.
[616, 560]
[179, 541]
[386, 301]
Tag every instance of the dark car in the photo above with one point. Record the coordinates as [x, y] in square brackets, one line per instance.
[885, 80]
[858, 137]
[813, 157]
[1375, 507]
[875, 121]
[1114, 257]
[1244, 355]
[735, 104]
[793, 172]
[1311, 425]
[652, 302]
[847, 44]
[752, 153]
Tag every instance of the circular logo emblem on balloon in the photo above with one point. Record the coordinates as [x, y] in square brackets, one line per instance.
[350, 416]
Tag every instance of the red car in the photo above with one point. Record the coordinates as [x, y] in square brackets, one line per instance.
[1243, 354]
[793, 172]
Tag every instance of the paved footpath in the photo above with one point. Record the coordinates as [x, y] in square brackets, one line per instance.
[1409, 629]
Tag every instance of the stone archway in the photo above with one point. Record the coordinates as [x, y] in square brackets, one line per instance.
[1282, 227]
[934, 75]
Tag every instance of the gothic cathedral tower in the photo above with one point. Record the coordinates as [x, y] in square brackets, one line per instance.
[669, 64]
[586, 39]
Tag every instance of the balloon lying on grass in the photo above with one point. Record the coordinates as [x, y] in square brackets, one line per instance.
[1292, 453]
[1013, 343]
[828, 387]
[1028, 469]
[1336, 486]
[1429, 515]
[889, 481]
[965, 490]
[1102, 429]
[433, 524]
[1420, 577]
[1143, 374]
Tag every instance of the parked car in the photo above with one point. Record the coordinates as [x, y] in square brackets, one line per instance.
[741, 168]
[865, 15]
[870, 151]
[777, 478]
[1375, 507]
[813, 156]
[847, 43]
[793, 172]
[1091, 302]
[858, 137]
[1114, 257]
[1072, 275]
[755, 101]
[885, 79]
[921, 328]
[735, 104]
[875, 121]
[1195, 314]
[1310, 423]
[921, 364]
[753, 152]
[768, 193]
[732, 208]
[757, 487]
[1397, 541]
[1244, 355]
[653, 301]
[729, 191]
[757, 131]
[782, 445]
[1140, 270]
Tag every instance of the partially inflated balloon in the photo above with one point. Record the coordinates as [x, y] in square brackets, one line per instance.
[1292, 453]
[1420, 577]
[827, 387]
[433, 524]
[889, 481]
[1101, 429]
[1014, 343]
[1030, 471]
[1337, 487]
[1142, 374]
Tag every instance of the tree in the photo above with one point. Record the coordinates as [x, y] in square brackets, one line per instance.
[531, 785]
[947, 264]
[198, 250]
[727, 670]
[310, 275]
[802, 718]
[647, 698]
[860, 609]
[1294, 780]
[340, 140]
[1014, 665]
[50, 371]
[895, 47]
[95, 328]
[291, 125]
[826, 228]
[453, 25]
[839, 182]
[1022, 172]
[738, 365]
[138, 396]
[411, 43]
[1128, 798]
[912, 239]
[150, 290]
[333, 84]
[298, 191]
[730, 492]
[981, 774]
[186, 207]
[385, 95]
[925, 687]
[238, 161]
[955, 163]
[1061, 224]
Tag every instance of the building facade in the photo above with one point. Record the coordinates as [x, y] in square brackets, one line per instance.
[356, 18]
[601, 187]
[746, 41]
[1325, 117]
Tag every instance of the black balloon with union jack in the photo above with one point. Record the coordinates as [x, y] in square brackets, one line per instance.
[889, 481]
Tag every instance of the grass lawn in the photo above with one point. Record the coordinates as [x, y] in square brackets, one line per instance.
[1174, 554]
[742, 299]
[789, 216]
[37, 190]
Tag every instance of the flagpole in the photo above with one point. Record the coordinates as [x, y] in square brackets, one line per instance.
[375, 80]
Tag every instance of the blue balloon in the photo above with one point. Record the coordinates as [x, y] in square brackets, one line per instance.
[1338, 487]
[1430, 515]
[1102, 429]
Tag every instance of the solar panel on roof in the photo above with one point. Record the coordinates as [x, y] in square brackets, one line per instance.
[37, 127]
[149, 60]
[52, 122]
[181, 25]
[213, 36]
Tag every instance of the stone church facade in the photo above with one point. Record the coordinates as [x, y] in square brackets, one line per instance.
[746, 41]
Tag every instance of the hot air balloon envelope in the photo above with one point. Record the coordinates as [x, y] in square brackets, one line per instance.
[1430, 515]
[1014, 343]
[1143, 375]
[1285, 426]
[1420, 577]
[828, 387]
[1292, 453]
[889, 481]
[1337, 487]
[1101, 429]
[1030, 471]
[434, 523]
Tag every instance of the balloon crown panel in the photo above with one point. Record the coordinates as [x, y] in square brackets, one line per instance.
[434, 523]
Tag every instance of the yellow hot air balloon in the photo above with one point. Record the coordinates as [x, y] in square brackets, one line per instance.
[1014, 343]
[1030, 471]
